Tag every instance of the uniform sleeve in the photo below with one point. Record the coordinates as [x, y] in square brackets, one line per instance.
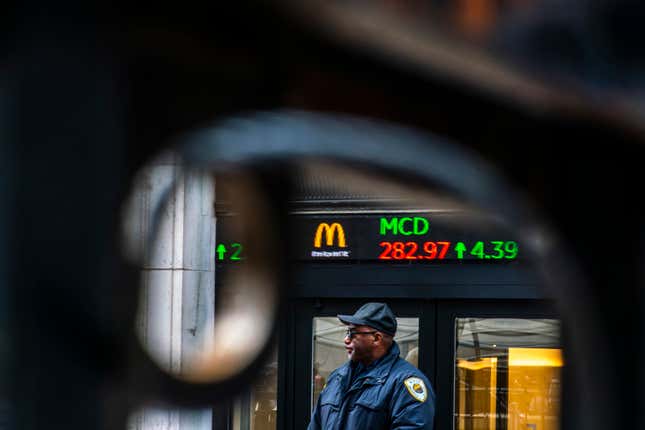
[408, 412]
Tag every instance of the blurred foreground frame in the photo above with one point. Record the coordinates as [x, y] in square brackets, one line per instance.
[89, 95]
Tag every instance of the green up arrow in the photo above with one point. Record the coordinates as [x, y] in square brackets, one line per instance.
[460, 248]
[221, 250]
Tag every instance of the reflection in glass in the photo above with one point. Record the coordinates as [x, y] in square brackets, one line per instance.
[257, 408]
[508, 374]
[329, 349]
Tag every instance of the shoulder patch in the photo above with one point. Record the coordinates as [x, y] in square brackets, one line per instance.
[416, 388]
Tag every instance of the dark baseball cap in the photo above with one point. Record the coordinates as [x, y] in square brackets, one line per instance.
[376, 315]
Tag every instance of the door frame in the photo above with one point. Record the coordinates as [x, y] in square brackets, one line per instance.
[447, 311]
[294, 388]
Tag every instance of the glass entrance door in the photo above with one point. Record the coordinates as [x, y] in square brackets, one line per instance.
[505, 368]
[494, 366]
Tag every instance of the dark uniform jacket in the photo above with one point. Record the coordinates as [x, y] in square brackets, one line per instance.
[389, 394]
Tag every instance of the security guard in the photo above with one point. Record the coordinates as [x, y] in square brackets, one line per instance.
[376, 389]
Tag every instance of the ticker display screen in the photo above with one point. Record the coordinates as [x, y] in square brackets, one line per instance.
[415, 238]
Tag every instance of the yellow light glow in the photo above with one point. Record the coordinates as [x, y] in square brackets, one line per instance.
[535, 357]
[479, 364]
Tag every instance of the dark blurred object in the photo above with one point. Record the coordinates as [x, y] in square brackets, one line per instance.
[593, 44]
[92, 91]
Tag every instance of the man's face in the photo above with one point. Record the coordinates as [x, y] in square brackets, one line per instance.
[360, 347]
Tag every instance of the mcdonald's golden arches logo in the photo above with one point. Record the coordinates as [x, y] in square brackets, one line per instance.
[335, 229]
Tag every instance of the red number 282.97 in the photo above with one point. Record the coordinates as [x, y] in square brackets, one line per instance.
[408, 251]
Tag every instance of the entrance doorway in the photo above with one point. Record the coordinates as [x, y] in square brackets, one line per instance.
[494, 366]
[319, 349]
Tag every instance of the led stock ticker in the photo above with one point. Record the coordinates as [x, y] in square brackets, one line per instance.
[439, 250]
[420, 238]
[230, 252]
[436, 249]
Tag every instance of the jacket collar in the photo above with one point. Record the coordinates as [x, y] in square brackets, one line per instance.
[379, 369]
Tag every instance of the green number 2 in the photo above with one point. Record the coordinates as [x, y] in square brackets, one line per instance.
[237, 252]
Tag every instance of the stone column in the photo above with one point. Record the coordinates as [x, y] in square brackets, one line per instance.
[176, 316]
